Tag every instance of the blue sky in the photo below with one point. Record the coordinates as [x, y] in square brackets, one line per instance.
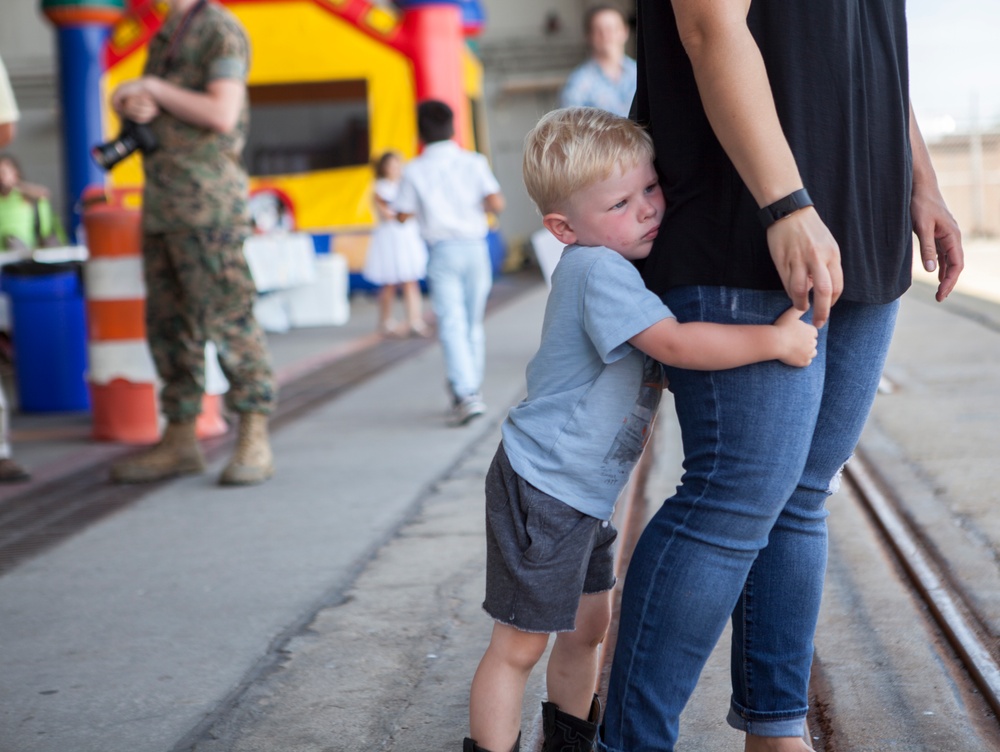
[954, 59]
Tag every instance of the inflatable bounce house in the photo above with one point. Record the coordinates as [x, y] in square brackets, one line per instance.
[332, 84]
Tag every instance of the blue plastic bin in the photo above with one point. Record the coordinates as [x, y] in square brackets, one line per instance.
[50, 335]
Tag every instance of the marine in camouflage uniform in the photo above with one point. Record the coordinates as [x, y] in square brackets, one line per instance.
[195, 219]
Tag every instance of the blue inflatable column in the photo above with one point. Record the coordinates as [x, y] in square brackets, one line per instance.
[80, 92]
[82, 27]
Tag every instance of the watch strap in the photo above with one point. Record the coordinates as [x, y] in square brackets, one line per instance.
[781, 208]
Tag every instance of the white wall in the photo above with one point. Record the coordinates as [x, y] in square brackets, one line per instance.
[528, 19]
[523, 19]
[25, 35]
[526, 63]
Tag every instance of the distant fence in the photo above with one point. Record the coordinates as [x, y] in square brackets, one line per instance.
[968, 170]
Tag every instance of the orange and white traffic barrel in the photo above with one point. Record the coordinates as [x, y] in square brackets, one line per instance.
[122, 377]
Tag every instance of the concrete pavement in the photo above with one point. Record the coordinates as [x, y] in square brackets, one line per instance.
[130, 634]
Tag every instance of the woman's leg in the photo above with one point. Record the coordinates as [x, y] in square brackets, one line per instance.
[775, 619]
[746, 435]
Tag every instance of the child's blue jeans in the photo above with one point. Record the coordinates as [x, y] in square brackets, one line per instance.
[459, 278]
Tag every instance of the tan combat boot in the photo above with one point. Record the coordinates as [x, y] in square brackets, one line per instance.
[252, 461]
[178, 453]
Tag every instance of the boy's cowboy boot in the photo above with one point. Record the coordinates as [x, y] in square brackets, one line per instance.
[562, 732]
[252, 461]
[177, 453]
[470, 746]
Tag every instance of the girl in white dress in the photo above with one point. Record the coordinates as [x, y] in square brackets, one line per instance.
[397, 255]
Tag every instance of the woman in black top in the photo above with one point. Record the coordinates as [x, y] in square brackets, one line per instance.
[793, 168]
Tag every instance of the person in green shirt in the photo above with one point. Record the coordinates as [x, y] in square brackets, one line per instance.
[26, 217]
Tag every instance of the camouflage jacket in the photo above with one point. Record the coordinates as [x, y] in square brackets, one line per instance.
[196, 179]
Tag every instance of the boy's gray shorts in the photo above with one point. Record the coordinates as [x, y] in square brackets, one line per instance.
[541, 554]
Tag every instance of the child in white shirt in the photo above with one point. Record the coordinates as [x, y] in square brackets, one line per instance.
[450, 189]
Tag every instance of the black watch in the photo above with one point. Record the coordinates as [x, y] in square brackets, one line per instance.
[784, 206]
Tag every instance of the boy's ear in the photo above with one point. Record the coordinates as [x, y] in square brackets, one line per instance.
[558, 225]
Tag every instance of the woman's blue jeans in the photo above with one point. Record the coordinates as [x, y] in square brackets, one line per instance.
[745, 535]
[459, 278]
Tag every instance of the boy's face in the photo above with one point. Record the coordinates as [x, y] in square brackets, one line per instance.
[622, 213]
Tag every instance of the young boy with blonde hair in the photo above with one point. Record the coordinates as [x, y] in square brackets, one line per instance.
[567, 450]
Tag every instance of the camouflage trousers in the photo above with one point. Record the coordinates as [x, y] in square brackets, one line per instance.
[199, 289]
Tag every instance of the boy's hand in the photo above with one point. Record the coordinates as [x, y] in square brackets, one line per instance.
[797, 339]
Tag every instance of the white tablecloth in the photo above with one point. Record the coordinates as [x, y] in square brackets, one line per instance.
[281, 260]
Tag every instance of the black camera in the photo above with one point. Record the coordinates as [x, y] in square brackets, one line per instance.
[132, 136]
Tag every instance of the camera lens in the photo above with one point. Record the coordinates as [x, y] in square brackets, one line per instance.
[109, 154]
[132, 136]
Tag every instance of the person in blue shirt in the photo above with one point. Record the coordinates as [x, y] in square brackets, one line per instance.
[568, 449]
[608, 79]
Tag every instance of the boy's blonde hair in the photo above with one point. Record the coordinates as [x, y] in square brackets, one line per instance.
[575, 147]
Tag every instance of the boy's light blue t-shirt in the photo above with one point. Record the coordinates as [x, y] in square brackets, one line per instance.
[591, 395]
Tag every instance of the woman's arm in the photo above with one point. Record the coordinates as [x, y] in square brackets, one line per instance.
[736, 95]
[937, 231]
